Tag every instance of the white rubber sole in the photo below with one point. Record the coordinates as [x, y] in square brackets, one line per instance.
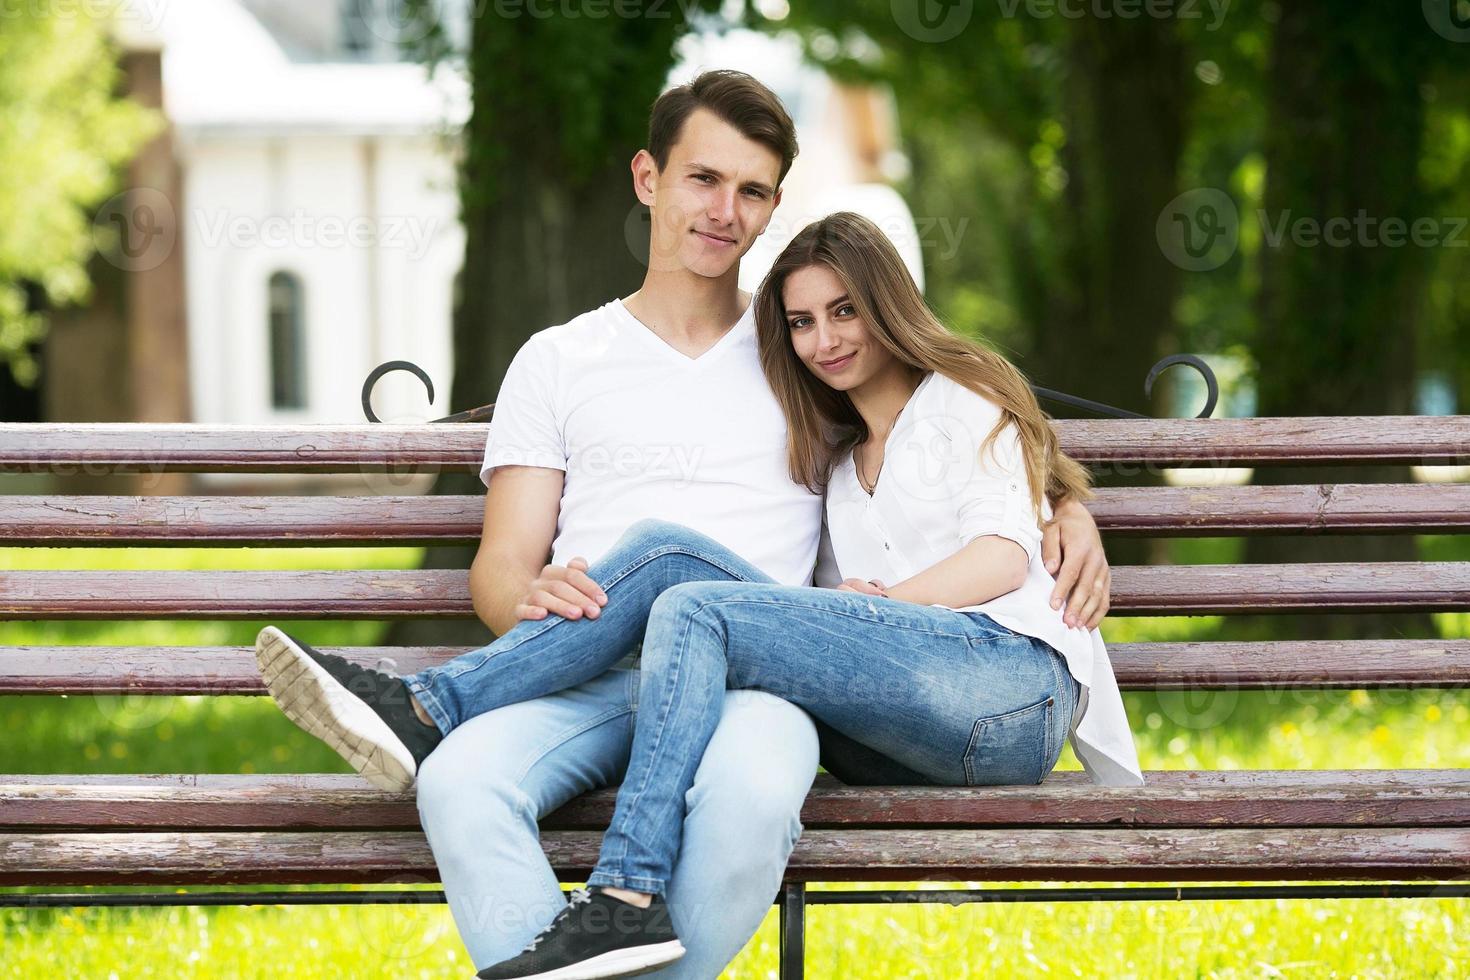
[322, 707]
[618, 963]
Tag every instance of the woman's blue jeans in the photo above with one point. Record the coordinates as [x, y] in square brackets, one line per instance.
[938, 696]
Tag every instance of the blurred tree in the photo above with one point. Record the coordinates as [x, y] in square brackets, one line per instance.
[1444, 351]
[1338, 310]
[1052, 144]
[1048, 145]
[559, 106]
[66, 133]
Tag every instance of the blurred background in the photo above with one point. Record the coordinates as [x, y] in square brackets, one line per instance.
[229, 211]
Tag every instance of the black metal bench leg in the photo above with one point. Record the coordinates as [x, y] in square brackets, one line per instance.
[793, 931]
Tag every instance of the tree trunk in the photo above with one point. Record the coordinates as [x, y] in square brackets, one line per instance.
[1102, 330]
[1125, 97]
[1337, 319]
[546, 236]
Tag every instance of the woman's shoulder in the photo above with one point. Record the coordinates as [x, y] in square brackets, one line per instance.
[946, 397]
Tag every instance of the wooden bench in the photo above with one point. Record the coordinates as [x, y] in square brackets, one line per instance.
[1354, 825]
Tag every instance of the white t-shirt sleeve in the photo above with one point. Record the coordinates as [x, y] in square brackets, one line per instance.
[993, 496]
[525, 429]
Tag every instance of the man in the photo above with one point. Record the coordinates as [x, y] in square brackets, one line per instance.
[652, 406]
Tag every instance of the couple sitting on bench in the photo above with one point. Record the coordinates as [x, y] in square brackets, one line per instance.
[948, 654]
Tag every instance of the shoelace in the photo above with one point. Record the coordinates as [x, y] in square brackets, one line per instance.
[580, 896]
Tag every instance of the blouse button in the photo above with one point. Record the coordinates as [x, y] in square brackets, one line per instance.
[885, 546]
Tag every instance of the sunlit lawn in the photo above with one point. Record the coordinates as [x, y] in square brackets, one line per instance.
[1230, 730]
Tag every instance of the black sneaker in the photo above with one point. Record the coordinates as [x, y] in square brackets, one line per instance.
[595, 936]
[365, 715]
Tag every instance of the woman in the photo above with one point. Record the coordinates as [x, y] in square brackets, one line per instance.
[934, 456]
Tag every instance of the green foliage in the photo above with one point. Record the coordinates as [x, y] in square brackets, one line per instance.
[65, 131]
[567, 94]
[994, 129]
[983, 125]
[1371, 938]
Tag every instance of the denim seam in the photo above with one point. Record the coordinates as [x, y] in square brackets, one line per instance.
[1059, 740]
[632, 883]
[835, 612]
[565, 735]
[431, 705]
[995, 631]
[1048, 721]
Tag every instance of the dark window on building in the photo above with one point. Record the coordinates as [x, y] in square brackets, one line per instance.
[288, 341]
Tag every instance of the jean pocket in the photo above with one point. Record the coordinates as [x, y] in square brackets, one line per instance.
[1010, 748]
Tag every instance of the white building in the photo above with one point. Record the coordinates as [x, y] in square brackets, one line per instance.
[317, 209]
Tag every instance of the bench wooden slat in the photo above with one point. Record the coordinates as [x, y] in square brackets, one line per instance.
[253, 521]
[1331, 798]
[1375, 508]
[175, 670]
[1083, 854]
[1422, 440]
[132, 447]
[284, 521]
[393, 594]
[1332, 586]
[1137, 666]
[354, 594]
[126, 447]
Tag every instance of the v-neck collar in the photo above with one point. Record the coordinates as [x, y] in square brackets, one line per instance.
[741, 327]
[852, 456]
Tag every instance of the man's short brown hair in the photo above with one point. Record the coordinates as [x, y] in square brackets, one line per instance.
[734, 97]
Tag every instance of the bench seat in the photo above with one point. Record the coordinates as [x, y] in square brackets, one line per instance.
[1246, 825]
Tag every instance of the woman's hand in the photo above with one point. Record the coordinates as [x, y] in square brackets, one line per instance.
[873, 587]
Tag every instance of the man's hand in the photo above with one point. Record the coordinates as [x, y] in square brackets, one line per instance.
[866, 588]
[1071, 550]
[566, 590]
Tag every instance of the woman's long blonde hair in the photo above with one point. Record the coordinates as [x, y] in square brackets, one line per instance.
[821, 421]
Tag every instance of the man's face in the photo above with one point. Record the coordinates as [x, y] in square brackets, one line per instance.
[712, 199]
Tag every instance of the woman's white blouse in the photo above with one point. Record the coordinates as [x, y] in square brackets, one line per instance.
[935, 495]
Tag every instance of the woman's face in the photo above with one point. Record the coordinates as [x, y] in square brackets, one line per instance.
[827, 333]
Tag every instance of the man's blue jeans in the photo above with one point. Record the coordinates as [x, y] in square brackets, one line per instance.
[481, 792]
[954, 697]
[501, 768]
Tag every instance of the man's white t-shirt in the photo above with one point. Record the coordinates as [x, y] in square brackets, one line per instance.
[644, 431]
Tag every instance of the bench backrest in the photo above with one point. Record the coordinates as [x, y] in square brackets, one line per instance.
[1122, 446]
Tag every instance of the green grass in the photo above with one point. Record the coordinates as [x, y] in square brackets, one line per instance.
[1285, 729]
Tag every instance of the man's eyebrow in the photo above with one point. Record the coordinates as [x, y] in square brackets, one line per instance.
[696, 166]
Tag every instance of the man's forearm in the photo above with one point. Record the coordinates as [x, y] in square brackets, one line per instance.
[497, 586]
